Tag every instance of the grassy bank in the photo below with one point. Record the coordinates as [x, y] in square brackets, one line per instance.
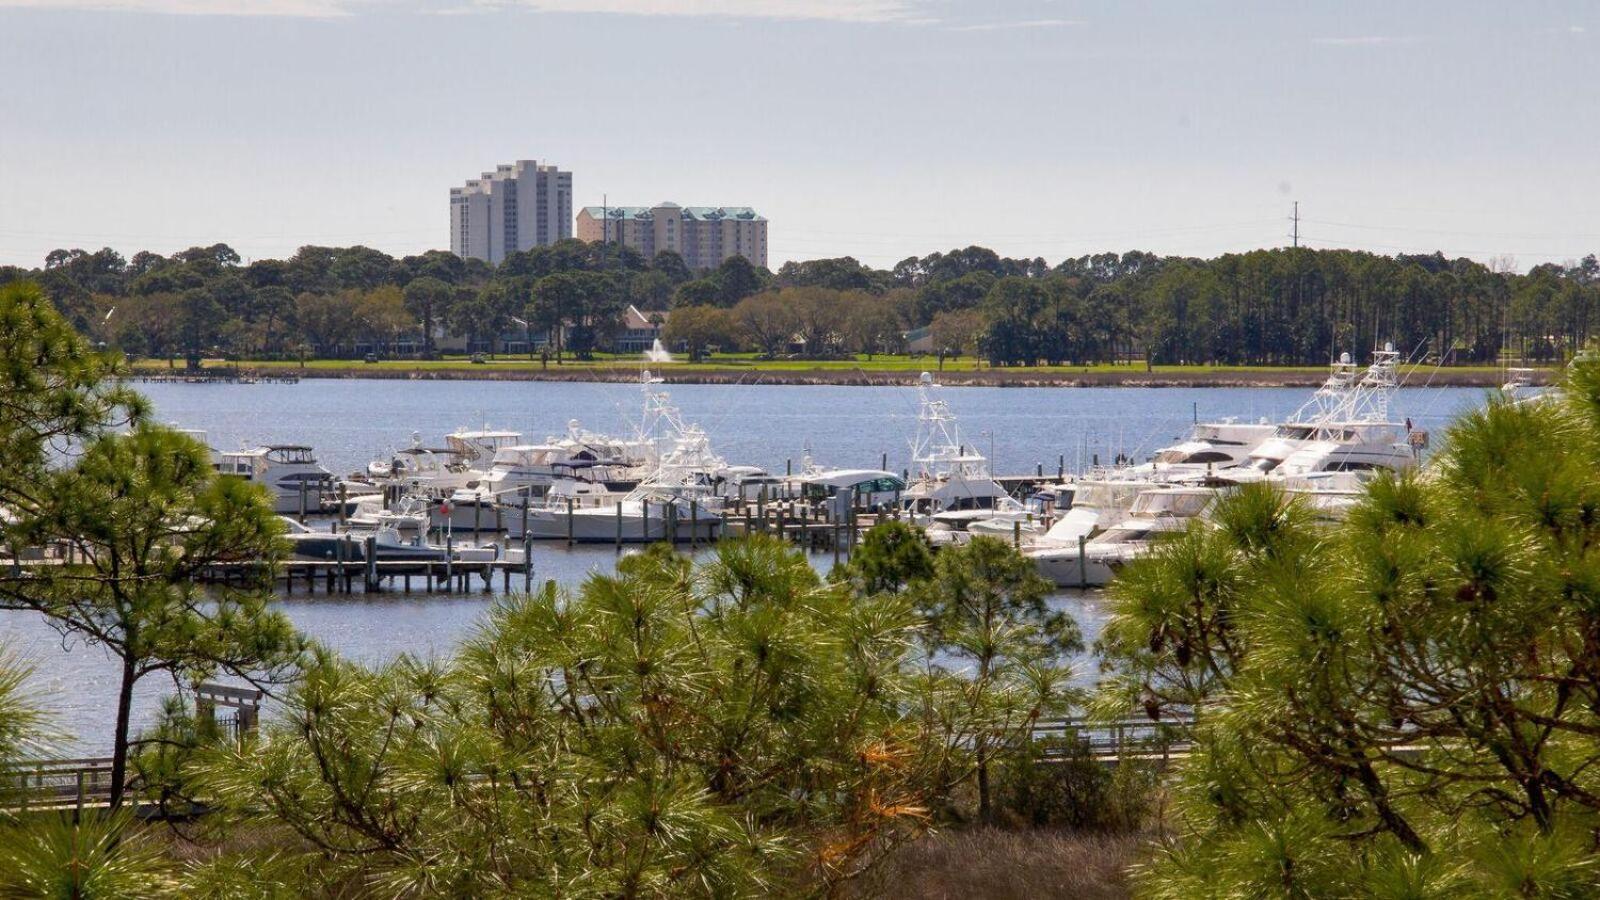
[881, 369]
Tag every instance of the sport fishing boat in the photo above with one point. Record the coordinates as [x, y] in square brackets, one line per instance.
[1348, 430]
[953, 491]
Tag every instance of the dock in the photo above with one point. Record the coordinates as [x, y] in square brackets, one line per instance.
[349, 577]
[76, 785]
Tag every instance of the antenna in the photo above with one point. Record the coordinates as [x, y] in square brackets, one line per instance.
[1296, 219]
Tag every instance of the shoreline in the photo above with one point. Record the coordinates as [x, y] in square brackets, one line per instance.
[1004, 377]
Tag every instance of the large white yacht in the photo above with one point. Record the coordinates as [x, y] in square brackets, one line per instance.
[298, 484]
[1154, 513]
[430, 471]
[1210, 446]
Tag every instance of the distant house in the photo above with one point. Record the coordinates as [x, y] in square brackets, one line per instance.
[639, 330]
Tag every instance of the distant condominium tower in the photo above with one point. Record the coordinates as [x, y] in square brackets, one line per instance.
[517, 206]
[703, 235]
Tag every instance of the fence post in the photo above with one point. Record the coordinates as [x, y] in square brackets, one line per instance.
[371, 551]
[1083, 563]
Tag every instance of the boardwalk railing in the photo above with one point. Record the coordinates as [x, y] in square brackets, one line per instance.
[58, 784]
[1114, 740]
[78, 784]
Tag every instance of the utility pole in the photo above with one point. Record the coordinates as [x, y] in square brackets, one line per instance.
[1296, 218]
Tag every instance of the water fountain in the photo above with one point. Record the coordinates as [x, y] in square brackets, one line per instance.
[657, 353]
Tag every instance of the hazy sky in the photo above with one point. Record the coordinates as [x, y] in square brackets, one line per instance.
[874, 128]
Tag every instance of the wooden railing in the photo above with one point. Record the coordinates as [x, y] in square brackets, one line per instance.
[56, 784]
[1115, 740]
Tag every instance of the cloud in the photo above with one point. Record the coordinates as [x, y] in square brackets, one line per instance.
[1576, 29]
[305, 9]
[1366, 40]
[904, 11]
[1026, 23]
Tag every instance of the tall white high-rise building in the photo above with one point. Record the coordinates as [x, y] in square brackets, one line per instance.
[517, 206]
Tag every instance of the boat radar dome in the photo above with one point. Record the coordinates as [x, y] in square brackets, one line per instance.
[927, 378]
[1344, 357]
[1388, 346]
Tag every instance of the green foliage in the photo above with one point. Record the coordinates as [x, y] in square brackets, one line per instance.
[1057, 784]
[55, 388]
[890, 558]
[988, 620]
[144, 515]
[93, 859]
[1403, 706]
[732, 728]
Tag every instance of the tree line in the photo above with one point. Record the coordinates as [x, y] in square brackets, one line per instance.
[1286, 306]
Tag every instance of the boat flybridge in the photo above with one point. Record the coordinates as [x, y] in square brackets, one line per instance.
[429, 471]
[475, 447]
[298, 484]
[953, 491]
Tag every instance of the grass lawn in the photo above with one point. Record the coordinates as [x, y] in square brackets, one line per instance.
[740, 362]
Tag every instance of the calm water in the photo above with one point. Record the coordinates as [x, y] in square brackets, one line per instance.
[352, 422]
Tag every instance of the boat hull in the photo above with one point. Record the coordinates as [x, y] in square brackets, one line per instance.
[1063, 567]
[604, 525]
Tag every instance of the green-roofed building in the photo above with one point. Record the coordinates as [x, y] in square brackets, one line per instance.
[703, 235]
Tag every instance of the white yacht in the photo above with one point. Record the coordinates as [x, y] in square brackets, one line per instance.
[1097, 504]
[1155, 513]
[433, 471]
[290, 472]
[1210, 446]
[475, 447]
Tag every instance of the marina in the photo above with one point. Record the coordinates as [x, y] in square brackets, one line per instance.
[1031, 436]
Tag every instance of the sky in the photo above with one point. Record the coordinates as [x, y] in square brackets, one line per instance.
[878, 129]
